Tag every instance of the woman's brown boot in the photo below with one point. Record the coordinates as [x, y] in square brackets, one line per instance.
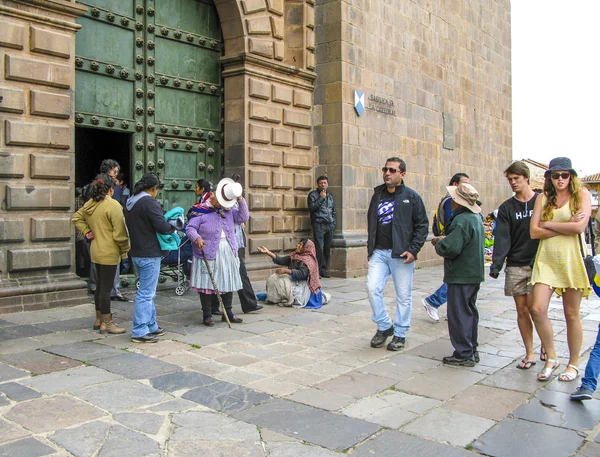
[98, 320]
[108, 326]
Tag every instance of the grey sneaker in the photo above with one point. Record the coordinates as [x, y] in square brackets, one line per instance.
[149, 338]
[396, 344]
[581, 393]
[381, 337]
[476, 356]
[431, 311]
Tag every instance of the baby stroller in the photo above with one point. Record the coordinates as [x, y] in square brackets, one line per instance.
[175, 265]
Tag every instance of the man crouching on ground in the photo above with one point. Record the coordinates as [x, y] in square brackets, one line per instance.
[398, 227]
[462, 250]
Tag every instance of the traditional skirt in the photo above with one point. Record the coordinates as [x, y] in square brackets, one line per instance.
[225, 269]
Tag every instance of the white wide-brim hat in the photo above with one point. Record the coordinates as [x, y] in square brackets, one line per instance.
[227, 192]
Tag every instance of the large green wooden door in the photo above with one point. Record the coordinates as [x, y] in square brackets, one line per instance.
[152, 68]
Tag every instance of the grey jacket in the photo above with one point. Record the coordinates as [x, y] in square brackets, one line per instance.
[321, 209]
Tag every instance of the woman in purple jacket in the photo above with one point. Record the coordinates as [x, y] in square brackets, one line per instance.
[212, 232]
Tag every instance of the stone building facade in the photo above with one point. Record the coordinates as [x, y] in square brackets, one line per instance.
[435, 76]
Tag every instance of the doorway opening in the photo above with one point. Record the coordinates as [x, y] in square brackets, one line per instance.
[92, 146]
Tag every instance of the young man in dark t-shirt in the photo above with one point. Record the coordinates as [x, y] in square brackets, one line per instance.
[513, 243]
[397, 229]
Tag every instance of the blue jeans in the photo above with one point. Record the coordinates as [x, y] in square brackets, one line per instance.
[592, 369]
[144, 311]
[381, 266]
[439, 297]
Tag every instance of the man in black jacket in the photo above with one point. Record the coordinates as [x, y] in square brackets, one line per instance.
[513, 243]
[322, 218]
[397, 229]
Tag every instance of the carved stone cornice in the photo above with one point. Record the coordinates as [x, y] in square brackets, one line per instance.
[249, 64]
[49, 5]
[61, 6]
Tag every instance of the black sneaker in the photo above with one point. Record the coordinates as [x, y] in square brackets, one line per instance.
[381, 337]
[468, 362]
[149, 338]
[158, 332]
[396, 344]
[581, 393]
[476, 356]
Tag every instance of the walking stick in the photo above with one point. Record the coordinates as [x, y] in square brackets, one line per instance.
[212, 278]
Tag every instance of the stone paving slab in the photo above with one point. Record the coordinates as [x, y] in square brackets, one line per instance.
[123, 442]
[589, 449]
[20, 345]
[82, 441]
[181, 380]
[175, 405]
[7, 373]
[511, 378]
[20, 331]
[226, 397]
[135, 366]
[51, 413]
[209, 434]
[73, 336]
[147, 423]
[313, 425]
[441, 383]
[389, 443]
[400, 367]
[28, 447]
[390, 409]
[216, 335]
[555, 408]
[488, 402]
[330, 401]
[297, 450]
[513, 437]
[68, 324]
[84, 351]
[69, 380]
[10, 432]
[18, 392]
[356, 384]
[121, 395]
[39, 362]
[450, 427]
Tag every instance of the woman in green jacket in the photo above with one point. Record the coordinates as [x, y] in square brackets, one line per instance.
[101, 220]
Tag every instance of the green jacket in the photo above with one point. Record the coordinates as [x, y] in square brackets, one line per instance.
[462, 249]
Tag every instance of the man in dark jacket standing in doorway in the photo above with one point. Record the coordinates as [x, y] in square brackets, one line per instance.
[322, 218]
[397, 229]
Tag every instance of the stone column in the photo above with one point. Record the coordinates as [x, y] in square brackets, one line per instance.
[37, 50]
[268, 79]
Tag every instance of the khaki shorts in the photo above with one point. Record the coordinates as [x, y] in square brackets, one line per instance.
[516, 280]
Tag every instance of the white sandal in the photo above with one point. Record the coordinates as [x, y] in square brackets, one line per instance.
[569, 376]
[545, 374]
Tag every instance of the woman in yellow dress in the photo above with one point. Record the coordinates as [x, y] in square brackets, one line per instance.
[559, 218]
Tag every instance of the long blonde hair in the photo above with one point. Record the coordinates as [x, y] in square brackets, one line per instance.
[550, 193]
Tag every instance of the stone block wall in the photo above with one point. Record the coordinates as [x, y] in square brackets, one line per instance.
[442, 72]
[268, 120]
[37, 49]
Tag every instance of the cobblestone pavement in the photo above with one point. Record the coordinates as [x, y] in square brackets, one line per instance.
[287, 382]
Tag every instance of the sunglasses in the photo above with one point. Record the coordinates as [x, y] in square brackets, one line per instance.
[391, 170]
[560, 175]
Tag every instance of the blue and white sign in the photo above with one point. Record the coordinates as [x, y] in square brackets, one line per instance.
[359, 102]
